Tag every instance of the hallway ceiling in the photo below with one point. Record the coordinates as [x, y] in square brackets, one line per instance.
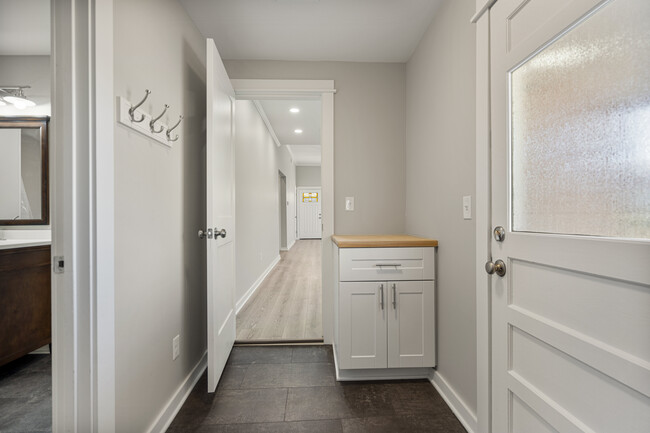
[285, 123]
[304, 147]
[338, 30]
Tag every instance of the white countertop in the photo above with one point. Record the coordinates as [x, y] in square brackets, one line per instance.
[24, 238]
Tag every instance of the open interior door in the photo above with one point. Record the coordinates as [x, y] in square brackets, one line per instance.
[220, 205]
[571, 202]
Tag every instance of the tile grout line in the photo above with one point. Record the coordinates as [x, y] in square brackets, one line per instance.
[286, 402]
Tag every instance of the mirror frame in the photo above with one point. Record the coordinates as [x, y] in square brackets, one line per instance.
[33, 122]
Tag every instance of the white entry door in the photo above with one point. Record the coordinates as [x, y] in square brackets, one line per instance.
[309, 213]
[220, 177]
[571, 188]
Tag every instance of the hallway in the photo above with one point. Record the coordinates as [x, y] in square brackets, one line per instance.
[287, 389]
[287, 305]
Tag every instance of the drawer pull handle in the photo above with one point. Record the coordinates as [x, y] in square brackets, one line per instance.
[392, 265]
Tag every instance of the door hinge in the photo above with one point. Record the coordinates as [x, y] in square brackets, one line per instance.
[58, 264]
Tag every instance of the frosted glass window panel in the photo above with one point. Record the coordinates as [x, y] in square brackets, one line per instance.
[580, 119]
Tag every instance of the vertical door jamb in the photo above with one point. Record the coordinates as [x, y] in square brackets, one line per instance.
[483, 216]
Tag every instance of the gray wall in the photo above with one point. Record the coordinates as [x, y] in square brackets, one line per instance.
[160, 274]
[258, 161]
[440, 169]
[307, 176]
[369, 128]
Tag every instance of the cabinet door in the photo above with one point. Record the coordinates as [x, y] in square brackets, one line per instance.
[411, 324]
[362, 325]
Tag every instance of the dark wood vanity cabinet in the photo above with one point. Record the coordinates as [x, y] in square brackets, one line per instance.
[25, 301]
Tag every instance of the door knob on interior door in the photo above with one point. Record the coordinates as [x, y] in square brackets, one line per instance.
[204, 234]
[498, 267]
[218, 233]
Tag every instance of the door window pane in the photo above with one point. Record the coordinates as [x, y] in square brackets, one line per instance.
[580, 118]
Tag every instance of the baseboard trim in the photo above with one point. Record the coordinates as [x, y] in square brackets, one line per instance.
[244, 299]
[291, 245]
[167, 415]
[464, 414]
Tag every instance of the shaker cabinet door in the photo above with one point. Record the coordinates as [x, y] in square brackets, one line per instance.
[362, 325]
[411, 321]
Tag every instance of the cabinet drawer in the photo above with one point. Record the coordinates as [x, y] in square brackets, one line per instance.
[386, 264]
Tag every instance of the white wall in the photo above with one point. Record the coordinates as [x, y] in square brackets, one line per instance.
[369, 128]
[160, 271]
[307, 175]
[31, 71]
[440, 169]
[258, 161]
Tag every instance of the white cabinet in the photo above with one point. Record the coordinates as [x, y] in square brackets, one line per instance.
[385, 308]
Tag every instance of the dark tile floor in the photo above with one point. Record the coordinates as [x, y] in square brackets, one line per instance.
[26, 395]
[294, 389]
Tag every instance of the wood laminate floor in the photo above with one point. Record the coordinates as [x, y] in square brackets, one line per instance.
[287, 305]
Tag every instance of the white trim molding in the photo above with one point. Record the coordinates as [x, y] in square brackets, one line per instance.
[82, 185]
[483, 223]
[253, 288]
[174, 405]
[267, 122]
[487, 4]
[281, 89]
[462, 411]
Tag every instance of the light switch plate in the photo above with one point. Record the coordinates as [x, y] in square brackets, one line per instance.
[349, 203]
[467, 207]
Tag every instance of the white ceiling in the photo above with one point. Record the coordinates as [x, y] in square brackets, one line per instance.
[24, 27]
[284, 122]
[340, 30]
[305, 147]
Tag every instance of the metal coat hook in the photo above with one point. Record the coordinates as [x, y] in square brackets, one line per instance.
[180, 119]
[135, 107]
[153, 121]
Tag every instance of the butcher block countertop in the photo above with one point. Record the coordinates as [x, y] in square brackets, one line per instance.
[382, 241]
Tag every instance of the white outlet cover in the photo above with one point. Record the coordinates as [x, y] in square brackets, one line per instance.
[349, 203]
[467, 207]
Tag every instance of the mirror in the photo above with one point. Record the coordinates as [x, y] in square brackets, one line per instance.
[24, 171]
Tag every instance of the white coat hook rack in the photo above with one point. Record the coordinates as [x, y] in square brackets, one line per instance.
[134, 117]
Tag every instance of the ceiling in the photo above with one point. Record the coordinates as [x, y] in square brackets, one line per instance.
[304, 147]
[339, 30]
[24, 27]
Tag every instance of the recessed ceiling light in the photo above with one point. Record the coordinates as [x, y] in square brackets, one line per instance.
[298, 131]
[294, 110]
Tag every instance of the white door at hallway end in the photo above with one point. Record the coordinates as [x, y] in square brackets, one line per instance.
[309, 213]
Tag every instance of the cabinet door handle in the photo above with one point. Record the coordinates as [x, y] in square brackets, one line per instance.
[394, 296]
[381, 296]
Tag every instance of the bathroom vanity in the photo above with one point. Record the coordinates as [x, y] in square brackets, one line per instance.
[25, 237]
[384, 324]
[25, 299]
